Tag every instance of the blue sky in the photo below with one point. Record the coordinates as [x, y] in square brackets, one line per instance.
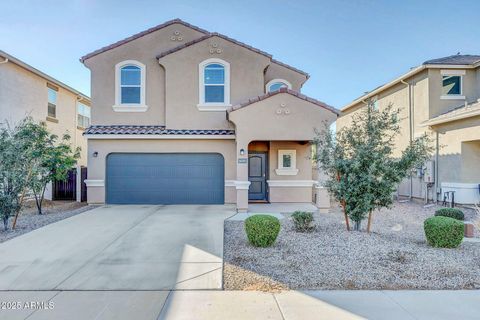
[348, 47]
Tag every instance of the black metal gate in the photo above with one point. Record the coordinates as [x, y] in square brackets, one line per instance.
[84, 186]
[66, 190]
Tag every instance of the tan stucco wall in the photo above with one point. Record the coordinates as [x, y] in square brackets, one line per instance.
[471, 91]
[276, 71]
[457, 156]
[459, 152]
[260, 121]
[182, 85]
[24, 93]
[97, 166]
[304, 166]
[144, 49]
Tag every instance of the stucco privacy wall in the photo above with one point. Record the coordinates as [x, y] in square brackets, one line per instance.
[97, 165]
[24, 93]
[182, 74]
[263, 122]
[143, 49]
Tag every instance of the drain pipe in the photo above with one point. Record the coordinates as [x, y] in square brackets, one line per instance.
[410, 128]
[4, 61]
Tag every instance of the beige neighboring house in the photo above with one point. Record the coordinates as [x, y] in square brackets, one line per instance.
[26, 91]
[441, 97]
[185, 116]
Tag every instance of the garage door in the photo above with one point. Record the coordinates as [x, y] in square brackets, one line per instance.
[165, 178]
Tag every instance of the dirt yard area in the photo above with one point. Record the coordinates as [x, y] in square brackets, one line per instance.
[394, 256]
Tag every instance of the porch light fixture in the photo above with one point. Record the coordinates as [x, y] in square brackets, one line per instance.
[95, 154]
[242, 152]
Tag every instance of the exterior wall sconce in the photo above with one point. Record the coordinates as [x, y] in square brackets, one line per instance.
[95, 154]
[242, 152]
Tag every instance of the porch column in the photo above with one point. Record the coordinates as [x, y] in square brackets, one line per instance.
[242, 182]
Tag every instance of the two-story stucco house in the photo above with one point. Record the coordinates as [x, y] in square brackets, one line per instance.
[440, 97]
[185, 116]
[26, 91]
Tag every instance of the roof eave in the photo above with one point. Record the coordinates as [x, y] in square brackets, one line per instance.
[384, 87]
[43, 75]
[139, 35]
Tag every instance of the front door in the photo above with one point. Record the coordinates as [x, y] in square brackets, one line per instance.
[257, 175]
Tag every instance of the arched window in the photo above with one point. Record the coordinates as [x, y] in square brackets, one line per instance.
[130, 86]
[214, 84]
[276, 84]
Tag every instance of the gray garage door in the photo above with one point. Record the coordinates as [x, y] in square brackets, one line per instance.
[165, 178]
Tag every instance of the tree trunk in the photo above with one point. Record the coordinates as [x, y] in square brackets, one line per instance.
[369, 221]
[347, 223]
[5, 223]
[39, 199]
[21, 200]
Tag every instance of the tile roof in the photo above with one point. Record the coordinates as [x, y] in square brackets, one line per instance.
[289, 91]
[152, 130]
[206, 36]
[460, 112]
[141, 34]
[460, 59]
[210, 35]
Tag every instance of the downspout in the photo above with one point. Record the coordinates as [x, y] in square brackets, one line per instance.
[410, 124]
[4, 61]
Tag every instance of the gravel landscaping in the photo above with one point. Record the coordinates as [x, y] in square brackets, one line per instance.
[53, 211]
[394, 256]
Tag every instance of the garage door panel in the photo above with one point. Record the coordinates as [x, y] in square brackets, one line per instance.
[188, 178]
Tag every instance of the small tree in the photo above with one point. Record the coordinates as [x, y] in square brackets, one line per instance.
[16, 167]
[30, 157]
[362, 171]
[56, 158]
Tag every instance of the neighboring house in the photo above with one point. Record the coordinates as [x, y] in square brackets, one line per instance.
[26, 91]
[185, 116]
[440, 97]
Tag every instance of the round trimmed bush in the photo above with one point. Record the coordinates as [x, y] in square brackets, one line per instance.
[443, 232]
[451, 213]
[262, 230]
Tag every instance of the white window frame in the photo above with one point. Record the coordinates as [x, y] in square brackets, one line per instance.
[79, 114]
[213, 106]
[129, 107]
[269, 83]
[461, 74]
[289, 171]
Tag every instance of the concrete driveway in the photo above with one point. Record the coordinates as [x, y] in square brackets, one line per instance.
[120, 248]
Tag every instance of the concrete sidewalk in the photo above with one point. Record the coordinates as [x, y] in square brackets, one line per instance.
[235, 305]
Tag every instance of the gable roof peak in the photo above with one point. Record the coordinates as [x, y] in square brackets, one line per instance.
[141, 34]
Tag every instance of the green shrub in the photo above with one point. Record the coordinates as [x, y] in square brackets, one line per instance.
[303, 221]
[443, 232]
[451, 213]
[262, 230]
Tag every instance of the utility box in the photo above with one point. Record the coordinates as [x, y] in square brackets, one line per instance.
[429, 172]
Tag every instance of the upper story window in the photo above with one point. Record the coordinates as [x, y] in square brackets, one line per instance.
[277, 84]
[452, 84]
[52, 102]
[83, 115]
[130, 87]
[214, 90]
